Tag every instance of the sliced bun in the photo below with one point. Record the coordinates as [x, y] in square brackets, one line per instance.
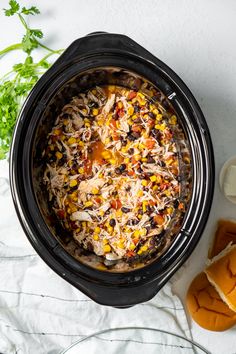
[221, 273]
[206, 307]
[225, 233]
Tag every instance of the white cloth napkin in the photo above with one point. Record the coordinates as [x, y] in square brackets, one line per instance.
[40, 313]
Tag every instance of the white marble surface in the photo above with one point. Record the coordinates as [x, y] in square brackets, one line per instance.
[197, 40]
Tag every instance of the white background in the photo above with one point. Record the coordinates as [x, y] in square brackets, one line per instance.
[197, 40]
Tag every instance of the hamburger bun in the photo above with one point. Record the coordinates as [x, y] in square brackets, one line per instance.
[225, 233]
[221, 273]
[206, 307]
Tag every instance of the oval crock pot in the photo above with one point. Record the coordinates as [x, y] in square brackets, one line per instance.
[99, 50]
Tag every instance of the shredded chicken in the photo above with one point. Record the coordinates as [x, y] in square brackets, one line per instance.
[113, 168]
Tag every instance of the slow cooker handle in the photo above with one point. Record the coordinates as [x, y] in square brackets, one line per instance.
[101, 43]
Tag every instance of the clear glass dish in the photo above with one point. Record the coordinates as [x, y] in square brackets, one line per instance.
[130, 340]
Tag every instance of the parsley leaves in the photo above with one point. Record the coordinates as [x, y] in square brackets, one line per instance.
[15, 85]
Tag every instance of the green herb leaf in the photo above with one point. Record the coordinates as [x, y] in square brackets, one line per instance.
[37, 33]
[14, 8]
[33, 10]
[29, 43]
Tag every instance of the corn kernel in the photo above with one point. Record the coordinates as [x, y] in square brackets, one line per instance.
[84, 224]
[97, 230]
[140, 95]
[173, 120]
[140, 193]
[130, 122]
[95, 111]
[130, 111]
[107, 248]
[141, 146]
[120, 105]
[95, 237]
[139, 252]
[139, 216]
[119, 213]
[132, 247]
[169, 210]
[81, 143]
[105, 241]
[120, 244]
[144, 182]
[153, 178]
[73, 208]
[112, 161]
[71, 140]
[155, 188]
[144, 248]
[134, 116]
[87, 125]
[81, 170]
[88, 204]
[136, 233]
[137, 157]
[101, 212]
[95, 191]
[126, 160]
[167, 193]
[107, 141]
[155, 111]
[51, 147]
[106, 155]
[110, 229]
[143, 232]
[73, 183]
[100, 122]
[57, 132]
[145, 206]
[66, 121]
[101, 267]
[58, 155]
[144, 159]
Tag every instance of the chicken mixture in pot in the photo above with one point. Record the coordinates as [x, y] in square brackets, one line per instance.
[112, 171]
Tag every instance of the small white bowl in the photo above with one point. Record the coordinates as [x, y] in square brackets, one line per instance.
[229, 162]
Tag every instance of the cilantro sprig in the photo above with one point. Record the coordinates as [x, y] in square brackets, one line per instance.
[15, 85]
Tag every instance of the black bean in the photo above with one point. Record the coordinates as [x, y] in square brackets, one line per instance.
[136, 135]
[162, 163]
[131, 151]
[151, 114]
[139, 170]
[112, 222]
[136, 108]
[123, 142]
[150, 159]
[176, 203]
[156, 133]
[117, 170]
[128, 189]
[137, 120]
[122, 167]
[131, 137]
[125, 210]
[165, 104]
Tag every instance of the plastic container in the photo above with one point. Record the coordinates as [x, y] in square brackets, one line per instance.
[77, 68]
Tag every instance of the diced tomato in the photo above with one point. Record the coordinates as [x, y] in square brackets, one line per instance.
[116, 204]
[121, 112]
[151, 202]
[61, 214]
[98, 200]
[136, 128]
[150, 143]
[131, 172]
[113, 124]
[135, 241]
[163, 186]
[159, 219]
[115, 137]
[130, 254]
[151, 122]
[88, 166]
[181, 206]
[131, 95]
